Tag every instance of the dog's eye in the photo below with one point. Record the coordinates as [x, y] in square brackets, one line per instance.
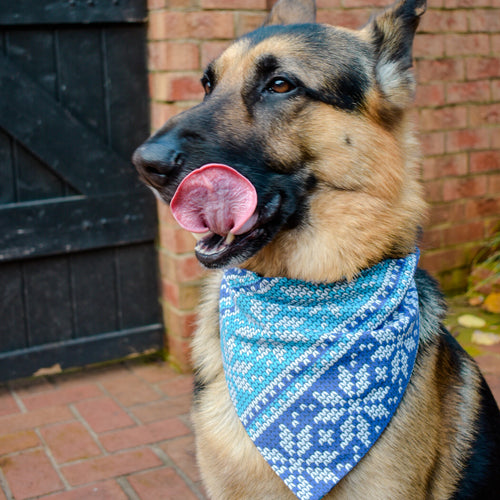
[280, 86]
[207, 85]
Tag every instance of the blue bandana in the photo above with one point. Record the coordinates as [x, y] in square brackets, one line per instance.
[316, 371]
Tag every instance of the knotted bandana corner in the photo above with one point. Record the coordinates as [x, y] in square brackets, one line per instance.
[316, 371]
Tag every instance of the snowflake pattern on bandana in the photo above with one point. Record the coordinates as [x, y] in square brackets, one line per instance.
[316, 371]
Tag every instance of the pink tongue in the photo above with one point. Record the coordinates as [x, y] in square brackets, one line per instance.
[215, 198]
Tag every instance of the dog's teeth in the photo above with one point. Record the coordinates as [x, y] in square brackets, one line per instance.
[229, 238]
[199, 236]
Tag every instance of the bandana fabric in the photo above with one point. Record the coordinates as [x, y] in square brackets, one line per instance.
[316, 371]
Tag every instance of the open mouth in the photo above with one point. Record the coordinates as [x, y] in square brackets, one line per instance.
[220, 207]
[214, 250]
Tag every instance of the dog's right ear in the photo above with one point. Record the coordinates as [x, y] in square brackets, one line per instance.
[292, 12]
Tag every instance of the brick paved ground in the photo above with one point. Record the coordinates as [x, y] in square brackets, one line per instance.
[120, 432]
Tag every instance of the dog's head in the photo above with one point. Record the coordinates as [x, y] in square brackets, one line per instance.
[312, 121]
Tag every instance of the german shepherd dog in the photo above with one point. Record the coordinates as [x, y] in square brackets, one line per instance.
[315, 117]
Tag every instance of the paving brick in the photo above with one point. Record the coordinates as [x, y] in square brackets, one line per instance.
[130, 390]
[179, 386]
[61, 396]
[18, 441]
[8, 404]
[30, 474]
[154, 372]
[493, 382]
[103, 414]
[35, 418]
[183, 453]
[162, 483]
[107, 490]
[163, 409]
[111, 466]
[69, 441]
[489, 364]
[145, 434]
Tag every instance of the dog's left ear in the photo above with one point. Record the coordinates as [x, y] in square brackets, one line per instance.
[391, 33]
[292, 12]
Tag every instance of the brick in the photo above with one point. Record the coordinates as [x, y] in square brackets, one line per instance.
[454, 4]
[173, 56]
[463, 233]
[432, 143]
[234, 4]
[432, 94]
[468, 187]
[440, 70]
[443, 118]
[62, 396]
[177, 86]
[484, 207]
[178, 322]
[163, 483]
[495, 89]
[69, 441]
[18, 441]
[478, 91]
[165, 214]
[179, 353]
[484, 161]
[8, 404]
[446, 213]
[212, 50]
[469, 44]
[162, 410]
[110, 466]
[353, 19]
[433, 190]
[462, 140]
[484, 20]
[153, 373]
[486, 114]
[493, 184]
[431, 45]
[23, 387]
[363, 3]
[103, 414]
[30, 474]
[444, 166]
[182, 452]
[431, 239]
[130, 390]
[176, 240]
[36, 418]
[107, 490]
[162, 112]
[438, 260]
[156, 4]
[493, 382]
[436, 21]
[181, 295]
[180, 269]
[145, 434]
[481, 68]
[249, 21]
[178, 386]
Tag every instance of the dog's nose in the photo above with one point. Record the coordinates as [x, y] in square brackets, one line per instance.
[157, 162]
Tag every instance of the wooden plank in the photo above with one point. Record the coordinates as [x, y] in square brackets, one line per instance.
[75, 223]
[7, 176]
[137, 279]
[19, 12]
[127, 97]
[80, 352]
[94, 283]
[48, 300]
[81, 78]
[12, 314]
[58, 138]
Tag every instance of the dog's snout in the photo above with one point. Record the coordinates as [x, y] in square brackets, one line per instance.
[157, 162]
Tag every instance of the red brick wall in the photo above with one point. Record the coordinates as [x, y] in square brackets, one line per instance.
[457, 110]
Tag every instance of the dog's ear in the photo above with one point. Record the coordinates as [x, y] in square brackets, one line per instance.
[391, 33]
[292, 12]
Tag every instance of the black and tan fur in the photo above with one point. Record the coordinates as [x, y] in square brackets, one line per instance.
[317, 118]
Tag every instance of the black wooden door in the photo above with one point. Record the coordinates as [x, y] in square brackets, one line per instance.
[78, 278]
